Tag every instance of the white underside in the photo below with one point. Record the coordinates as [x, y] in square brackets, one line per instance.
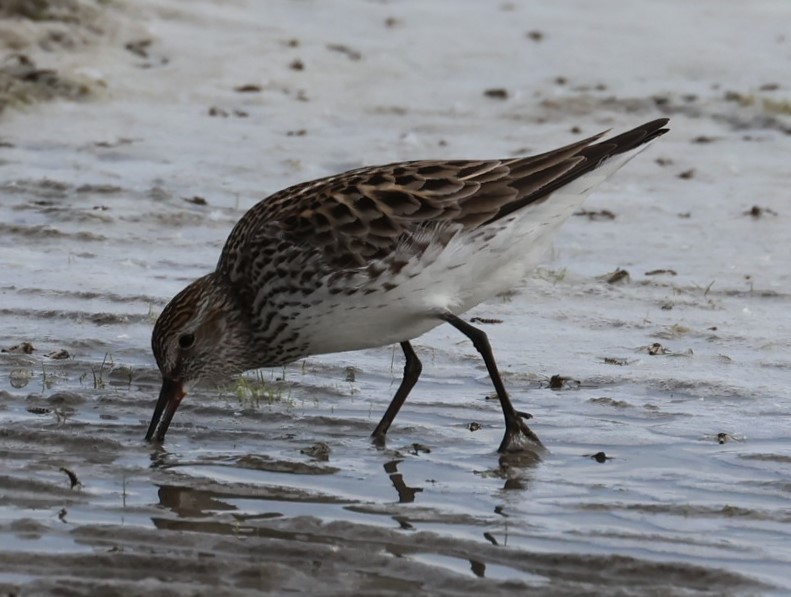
[466, 272]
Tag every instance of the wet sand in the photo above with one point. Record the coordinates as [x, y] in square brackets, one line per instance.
[676, 374]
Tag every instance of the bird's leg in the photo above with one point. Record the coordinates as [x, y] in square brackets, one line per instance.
[412, 369]
[516, 430]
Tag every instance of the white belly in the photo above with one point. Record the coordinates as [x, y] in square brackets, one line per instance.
[473, 267]
[463, 274]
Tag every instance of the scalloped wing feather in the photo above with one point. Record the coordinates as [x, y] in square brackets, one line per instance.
[360, 217]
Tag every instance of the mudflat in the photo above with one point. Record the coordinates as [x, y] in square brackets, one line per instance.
[652, 348]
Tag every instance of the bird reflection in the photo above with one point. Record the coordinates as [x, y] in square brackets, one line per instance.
[406, 495]
[187, 502]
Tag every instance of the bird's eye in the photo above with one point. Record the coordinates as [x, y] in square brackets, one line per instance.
[186, 340]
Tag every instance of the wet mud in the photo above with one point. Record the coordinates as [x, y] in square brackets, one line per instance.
[652, 350]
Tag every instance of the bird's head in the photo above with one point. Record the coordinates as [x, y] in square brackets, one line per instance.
[198, 337]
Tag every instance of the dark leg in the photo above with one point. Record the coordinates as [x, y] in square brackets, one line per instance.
[515, 427]
[412, 369]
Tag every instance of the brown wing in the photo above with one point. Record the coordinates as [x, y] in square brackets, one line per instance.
[363, 215]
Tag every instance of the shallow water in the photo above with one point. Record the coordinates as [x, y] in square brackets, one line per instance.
[274, 485]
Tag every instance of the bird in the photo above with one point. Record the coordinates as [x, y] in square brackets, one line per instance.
[377, 256]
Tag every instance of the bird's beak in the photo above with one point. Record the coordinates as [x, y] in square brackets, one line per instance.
[169, 399]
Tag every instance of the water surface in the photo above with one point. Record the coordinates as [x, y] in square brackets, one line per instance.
[110, 206]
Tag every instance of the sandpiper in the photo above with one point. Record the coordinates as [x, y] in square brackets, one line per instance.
[378, 256]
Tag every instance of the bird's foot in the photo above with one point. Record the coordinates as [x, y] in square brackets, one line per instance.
[520, 438]
[379, 440]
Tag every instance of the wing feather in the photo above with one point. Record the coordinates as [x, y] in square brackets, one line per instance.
[354, 219]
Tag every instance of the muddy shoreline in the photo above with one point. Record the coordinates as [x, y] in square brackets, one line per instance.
[652, 348]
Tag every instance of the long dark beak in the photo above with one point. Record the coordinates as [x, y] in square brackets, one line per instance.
[169, 399]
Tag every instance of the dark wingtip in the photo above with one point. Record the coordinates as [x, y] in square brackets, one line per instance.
[587, 155]
[631, 139]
